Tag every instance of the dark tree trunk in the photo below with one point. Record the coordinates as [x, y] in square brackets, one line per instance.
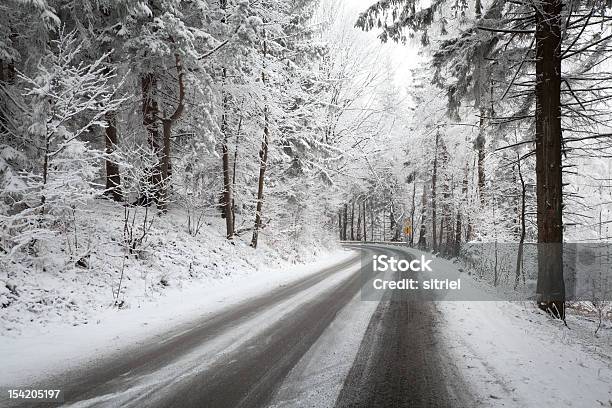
[372, 220]
[3, 119]
[412, 212]
[519, 255]
[423, 230]
[481, 146]
[365, 232]
[384, 225]
[396, 229]
[446, 231]
[234, 169]
[345, 223]
[458, 226]
[462, 207]
[393, 224]
[358, 235]
[263, 154]
[469, 202]
[228, 202]
[227, 182]
[165, 165]
[434, 179]
[113, 176]
[353, 221]
[263, 162]
[150, 110]
[550, 286]
[440, 241]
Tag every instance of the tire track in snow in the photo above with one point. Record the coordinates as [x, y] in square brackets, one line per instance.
[401, 361]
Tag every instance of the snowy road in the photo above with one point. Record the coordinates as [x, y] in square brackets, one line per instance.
[247, 356]
[312, 341]
[400, 362]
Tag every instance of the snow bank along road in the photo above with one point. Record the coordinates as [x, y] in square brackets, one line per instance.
[309, 343]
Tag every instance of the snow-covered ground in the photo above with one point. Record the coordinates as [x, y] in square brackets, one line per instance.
[83, 273]
[514, 355]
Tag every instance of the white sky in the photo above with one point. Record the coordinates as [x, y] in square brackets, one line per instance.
[403, 57]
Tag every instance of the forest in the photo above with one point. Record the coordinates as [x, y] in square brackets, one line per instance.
[171, 135]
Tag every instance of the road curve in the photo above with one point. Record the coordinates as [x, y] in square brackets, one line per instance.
[113, 374]
[399, 361]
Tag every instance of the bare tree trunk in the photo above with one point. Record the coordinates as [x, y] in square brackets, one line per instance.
[263, 161]
[340, 225]
[365, 232]
[228, 201]
[372, 220]
[412, 212]
[227, 192]
[227, 182]
[469, 203]
[462, 207]
[481, 147]
[353, 221]
[113, 177]
[458, 226]
[423, 230]
[550, 287]
[519, 255]
[150, 110]
[495, 265]
[234, 169]
[165, 164]
[358, 235]
[263, 153]
[446, 233]
[440, 242]
[392, 223]
[434, 179]
[384, 225]
[45, 173]
[345, 223]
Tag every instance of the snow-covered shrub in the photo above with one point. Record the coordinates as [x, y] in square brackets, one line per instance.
[66, 101]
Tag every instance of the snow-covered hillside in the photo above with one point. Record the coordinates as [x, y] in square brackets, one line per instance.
[91, 271]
